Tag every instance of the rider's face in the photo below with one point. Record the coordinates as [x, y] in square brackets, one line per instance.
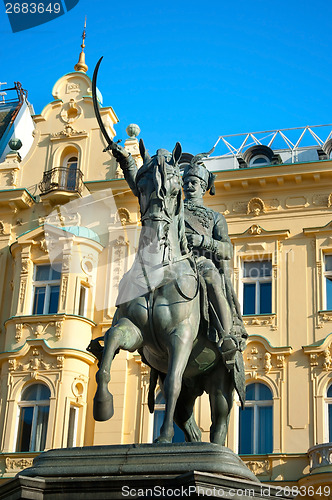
[192, 187]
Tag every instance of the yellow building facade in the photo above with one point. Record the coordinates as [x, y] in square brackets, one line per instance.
[69, 228]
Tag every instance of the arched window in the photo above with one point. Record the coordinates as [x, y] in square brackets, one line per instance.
[159, 413]
[33, 418]
[329, 412]
[259, 160]
[255, 429]
[71, 166]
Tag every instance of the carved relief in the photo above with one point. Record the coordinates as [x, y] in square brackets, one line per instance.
[259, 360]
[327, 359]
[70, 111]
[321, 359]
[119, 253]
[319, 268]
[78, 387]
[313, 360]
[267, 362]
[123, 216]
[255, 207]
[270, 321]
[64, 286]
[22, 291]
[66, 262]
[88, 264]
[27, 199]
[325, 316]
[68, 131]
[280, 361]
[255, 229]
[254, 359]
[72, 87]
[42, 244]
[272, 204]
[259, 466]
[34, 363]
[25, 265]
[12, 363]
[60, 362]
[17, 464]
[320, 200]
[18, 332]
[58, 329]
[240, 207]
[59, 218]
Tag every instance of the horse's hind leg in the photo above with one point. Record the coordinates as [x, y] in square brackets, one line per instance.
[184, 416]
[179, 352]
[220, 391]
[124, 335]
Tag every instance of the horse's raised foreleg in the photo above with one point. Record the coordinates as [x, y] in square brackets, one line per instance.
[179, 352]
[123, 335]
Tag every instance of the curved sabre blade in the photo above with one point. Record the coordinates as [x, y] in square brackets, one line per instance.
[96, 107]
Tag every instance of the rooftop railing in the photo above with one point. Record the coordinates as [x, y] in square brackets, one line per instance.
[291, 139]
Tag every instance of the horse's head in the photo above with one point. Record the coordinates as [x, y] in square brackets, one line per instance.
[159, 185]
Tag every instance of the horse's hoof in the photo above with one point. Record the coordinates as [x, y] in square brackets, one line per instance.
[103, 409]
[161, 439]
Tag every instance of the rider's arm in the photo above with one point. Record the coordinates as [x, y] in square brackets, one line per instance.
[127, 165]
[220, 243]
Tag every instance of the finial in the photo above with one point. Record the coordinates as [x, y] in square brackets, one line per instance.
[81, 66]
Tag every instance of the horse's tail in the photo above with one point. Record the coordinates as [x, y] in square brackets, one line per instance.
[152, 386]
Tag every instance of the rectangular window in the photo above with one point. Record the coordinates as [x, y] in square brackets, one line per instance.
[72, 426]
[46, 289]
[82, 306]
[33, 428]
[257, 287]
[328, 281]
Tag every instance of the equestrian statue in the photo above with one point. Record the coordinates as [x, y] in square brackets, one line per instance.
[176, 305]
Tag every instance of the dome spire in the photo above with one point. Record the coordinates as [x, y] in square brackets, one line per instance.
[81, 66]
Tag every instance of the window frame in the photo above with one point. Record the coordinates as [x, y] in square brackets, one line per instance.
[76, 410]
[257, 157]
[66, 179]
[83, 312]
[326, 274]
[257, 281]
[35, 404]
[255, 404]
[47, 284]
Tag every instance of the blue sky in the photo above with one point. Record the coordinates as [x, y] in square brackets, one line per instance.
[187, 71]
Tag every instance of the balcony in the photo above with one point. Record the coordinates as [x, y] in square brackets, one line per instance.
[320, 457]
[66, 180]
[318, 483]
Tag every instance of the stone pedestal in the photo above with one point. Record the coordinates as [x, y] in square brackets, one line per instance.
[187, 470]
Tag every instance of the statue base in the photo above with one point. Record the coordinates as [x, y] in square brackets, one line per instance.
[137, 471]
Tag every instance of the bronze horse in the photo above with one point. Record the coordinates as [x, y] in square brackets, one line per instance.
[159, 306]
[158, 309]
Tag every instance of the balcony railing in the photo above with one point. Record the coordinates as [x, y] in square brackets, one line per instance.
[320, 455]
[62, 179]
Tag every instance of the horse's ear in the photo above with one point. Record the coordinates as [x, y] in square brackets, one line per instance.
[144, 153]
[177, 152]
